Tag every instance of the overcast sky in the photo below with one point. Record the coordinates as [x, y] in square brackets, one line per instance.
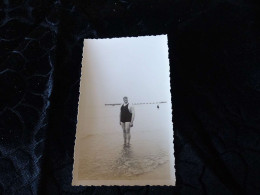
[118, 67]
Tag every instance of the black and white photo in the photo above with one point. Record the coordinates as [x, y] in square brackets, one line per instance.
[124, 132]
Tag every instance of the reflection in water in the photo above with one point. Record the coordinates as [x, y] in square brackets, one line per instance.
[123, 162]
[126, 152]
[129, 164]
[126, 164]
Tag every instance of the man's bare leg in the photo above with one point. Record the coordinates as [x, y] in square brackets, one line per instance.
[128, 135]
[124, 132]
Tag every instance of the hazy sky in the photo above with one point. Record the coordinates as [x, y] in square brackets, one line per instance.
[118, 67]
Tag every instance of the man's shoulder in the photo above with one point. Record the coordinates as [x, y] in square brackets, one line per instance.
[131, 106]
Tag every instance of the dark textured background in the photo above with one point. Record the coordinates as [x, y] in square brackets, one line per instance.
[214, 54]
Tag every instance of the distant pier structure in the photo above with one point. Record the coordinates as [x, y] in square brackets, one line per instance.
[112, 104]
[157, 103]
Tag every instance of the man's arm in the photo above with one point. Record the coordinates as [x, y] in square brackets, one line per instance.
[133, 114]
[120, 117]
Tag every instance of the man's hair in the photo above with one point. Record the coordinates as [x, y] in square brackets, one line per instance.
[125, 97]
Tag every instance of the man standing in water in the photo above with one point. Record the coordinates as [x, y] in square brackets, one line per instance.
[127, 115]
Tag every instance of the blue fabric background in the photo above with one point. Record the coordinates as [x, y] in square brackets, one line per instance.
[215, 75]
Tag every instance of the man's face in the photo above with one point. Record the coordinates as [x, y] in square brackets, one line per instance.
[125, 100]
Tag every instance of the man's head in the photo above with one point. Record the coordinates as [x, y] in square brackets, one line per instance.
[125, 99]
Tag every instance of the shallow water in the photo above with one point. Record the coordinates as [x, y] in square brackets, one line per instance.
[104, 156]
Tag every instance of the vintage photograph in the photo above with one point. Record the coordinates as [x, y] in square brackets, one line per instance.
[124, 133]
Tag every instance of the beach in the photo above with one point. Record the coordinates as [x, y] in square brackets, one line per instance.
[103, 156]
